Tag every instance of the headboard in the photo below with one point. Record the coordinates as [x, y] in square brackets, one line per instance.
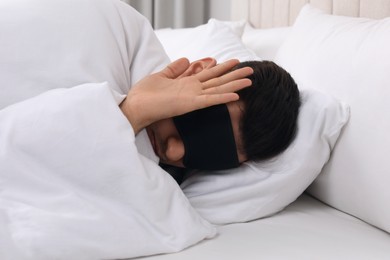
[277, 13]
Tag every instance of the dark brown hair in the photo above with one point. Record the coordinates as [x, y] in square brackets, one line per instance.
[271, 106]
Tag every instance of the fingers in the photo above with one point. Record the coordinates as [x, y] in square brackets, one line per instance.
[217, 70]
[222, 94]
[229, 87]
[229, 77]
[216, 99]
[176, 68]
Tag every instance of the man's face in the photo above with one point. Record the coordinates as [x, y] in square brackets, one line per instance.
[169, 147]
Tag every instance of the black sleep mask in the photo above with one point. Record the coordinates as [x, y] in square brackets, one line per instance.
[208, 139]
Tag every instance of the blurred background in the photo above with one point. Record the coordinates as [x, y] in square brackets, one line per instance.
[182, 13]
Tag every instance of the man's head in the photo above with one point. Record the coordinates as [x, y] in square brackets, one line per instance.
[263, 122]
[269, 120]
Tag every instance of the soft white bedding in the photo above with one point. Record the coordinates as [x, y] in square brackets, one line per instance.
[77, 184]
[349, 57]
[73, 185]
[74, 181]
[48, 44]
[306, 230]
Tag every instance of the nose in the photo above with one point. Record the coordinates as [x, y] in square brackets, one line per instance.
[175, 149]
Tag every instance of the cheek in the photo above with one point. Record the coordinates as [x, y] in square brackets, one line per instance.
[174, 149]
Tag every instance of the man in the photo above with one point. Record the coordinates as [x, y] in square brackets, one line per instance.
[71, 172]
[122, 57]
[257, 127]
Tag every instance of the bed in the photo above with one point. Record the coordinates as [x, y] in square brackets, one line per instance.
[344, 213]
[326, 197]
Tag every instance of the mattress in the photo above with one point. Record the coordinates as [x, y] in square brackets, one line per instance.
[307, 229]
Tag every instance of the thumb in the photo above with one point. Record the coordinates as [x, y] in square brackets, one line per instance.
[176, 68]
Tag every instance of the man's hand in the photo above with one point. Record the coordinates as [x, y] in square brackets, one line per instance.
[166, 94]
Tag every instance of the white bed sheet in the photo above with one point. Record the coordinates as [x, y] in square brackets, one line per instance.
[307, 229]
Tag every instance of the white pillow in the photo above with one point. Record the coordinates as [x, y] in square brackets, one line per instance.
[265, 42]
[223, 40]
[215, 39]
[349, 58]
[237, 27]
[256, 190]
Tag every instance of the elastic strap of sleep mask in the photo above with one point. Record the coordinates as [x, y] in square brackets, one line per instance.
[208, 139]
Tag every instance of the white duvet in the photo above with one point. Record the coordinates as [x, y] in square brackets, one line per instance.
[74, 182]
[74, 186]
